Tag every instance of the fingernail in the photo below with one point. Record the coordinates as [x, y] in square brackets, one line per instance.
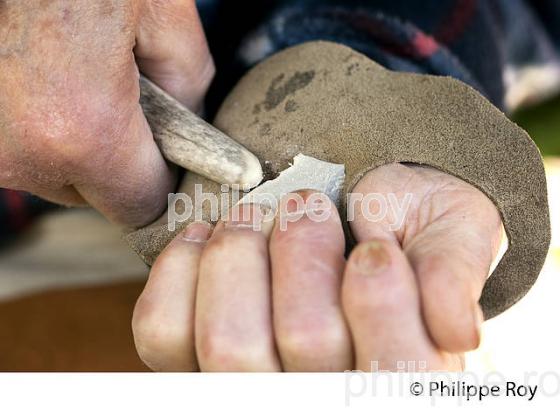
[257, 217]
[197, 232]
[371, 258]
[302, 202]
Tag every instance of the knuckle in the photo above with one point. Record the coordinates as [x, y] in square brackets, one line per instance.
[157, 341]
[300, 343]
[220, 351]
[453, 338]
[75, 128]
[203, 78]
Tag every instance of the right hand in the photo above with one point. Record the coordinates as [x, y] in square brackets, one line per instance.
[71, 128]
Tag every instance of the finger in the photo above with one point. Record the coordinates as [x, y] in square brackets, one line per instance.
[452, 258]
[163, 320]
[450, 241]
[171, 50]
[307, 260]
[382, 304]
[233, 308]
[131, 185]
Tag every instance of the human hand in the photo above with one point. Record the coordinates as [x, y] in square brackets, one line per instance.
[234, 300]
[71, 127]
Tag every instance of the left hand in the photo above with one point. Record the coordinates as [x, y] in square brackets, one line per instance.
[233, 300]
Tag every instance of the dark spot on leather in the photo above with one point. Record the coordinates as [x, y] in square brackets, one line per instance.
[278, 92]
[290, 106]
[264, 129]
[350, 69]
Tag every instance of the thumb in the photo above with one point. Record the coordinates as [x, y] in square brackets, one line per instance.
[171, 49]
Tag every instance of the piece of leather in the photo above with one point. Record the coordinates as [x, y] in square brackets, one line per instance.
[330, 102]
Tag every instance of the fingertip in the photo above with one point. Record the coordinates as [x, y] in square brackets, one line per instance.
[454, 337]
[253, 216]
[451, 312]
[378, 278]
[452, 262]
[380, 299]
[370, 258]
[307, 214]
[197, 232]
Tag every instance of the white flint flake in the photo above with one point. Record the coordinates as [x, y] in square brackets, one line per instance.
[305, 173]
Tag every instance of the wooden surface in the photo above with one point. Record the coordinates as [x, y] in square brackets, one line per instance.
[70, 330]
[67, 292]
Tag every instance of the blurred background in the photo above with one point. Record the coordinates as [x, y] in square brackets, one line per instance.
[68, 285]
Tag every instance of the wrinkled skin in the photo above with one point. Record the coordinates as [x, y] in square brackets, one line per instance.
[241, 299]
[69, 112]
